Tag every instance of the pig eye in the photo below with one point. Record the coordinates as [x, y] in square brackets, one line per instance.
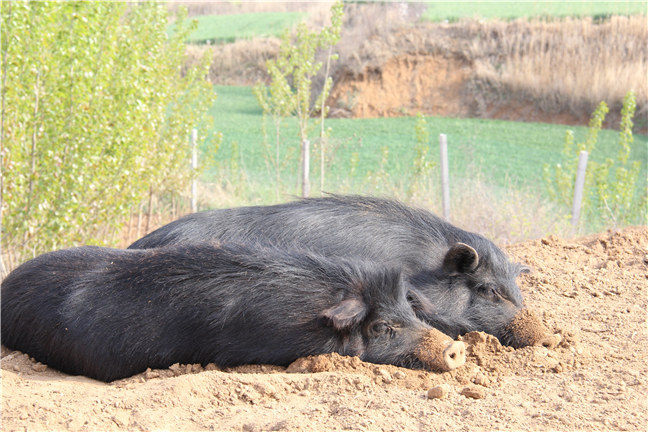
[381, 328]
[491, 291]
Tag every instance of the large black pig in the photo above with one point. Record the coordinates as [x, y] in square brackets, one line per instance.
[463, 281]
[108, 313]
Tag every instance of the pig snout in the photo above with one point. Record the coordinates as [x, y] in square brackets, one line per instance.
[439, 352]
[527, 329]
[454, 355]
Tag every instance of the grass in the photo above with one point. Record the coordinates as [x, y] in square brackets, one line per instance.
[228, 28]
[453, 11]
[502, 153]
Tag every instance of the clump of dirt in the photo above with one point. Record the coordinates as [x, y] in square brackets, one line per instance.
[486, 352]
[18, 362]
[326, 363]
[379, 374]
[473, 392]
[256, 369]
[173, 371]
[438, 392]
[591, 291]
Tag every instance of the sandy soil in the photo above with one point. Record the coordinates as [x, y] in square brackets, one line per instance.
[592, 291]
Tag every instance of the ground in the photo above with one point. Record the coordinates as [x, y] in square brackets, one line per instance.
[592, 291]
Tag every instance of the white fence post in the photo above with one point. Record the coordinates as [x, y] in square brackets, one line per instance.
[578, 187]
[194, 167]
[306, 169]
[445, 182]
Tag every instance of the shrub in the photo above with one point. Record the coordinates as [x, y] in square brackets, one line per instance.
[95, 116]
[610, 186]
[290, 92]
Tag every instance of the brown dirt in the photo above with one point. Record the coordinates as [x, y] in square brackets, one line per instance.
[430, 84]
[592, 291]
[404, 85]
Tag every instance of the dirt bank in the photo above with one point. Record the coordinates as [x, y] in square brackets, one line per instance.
[433, 85]
[404, 85]
[592, 291]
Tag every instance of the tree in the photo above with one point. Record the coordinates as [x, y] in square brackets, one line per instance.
[291, 83]
[100, 114]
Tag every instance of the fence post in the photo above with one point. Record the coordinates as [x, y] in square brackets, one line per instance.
[194, 167]
[306, 169]
[578, 187]
[445, 182]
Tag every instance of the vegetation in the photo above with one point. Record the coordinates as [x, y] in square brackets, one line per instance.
[230, 27]
[547, 70]
[496, 188]
[423, 164]
[563, 67]
[611, 190]
[422, 159]
[560, 67]
[496, 167]
[453, 11]
[95, 119]
[94, 127]
[504, 152]
[290, 92]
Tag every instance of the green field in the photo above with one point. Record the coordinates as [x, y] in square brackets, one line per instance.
[503, 153]
[453, 11]
[228, 28]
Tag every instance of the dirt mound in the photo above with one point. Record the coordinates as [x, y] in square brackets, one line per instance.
[591, 291]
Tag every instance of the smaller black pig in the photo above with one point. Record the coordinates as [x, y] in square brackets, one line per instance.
[109, 314]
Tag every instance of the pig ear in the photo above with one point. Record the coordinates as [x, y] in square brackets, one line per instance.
[346, 313]
[461, 258]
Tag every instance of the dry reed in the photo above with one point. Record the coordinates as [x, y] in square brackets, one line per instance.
[568, 65]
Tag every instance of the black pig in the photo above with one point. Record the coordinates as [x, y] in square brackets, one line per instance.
[108, 313]
[463, 282]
